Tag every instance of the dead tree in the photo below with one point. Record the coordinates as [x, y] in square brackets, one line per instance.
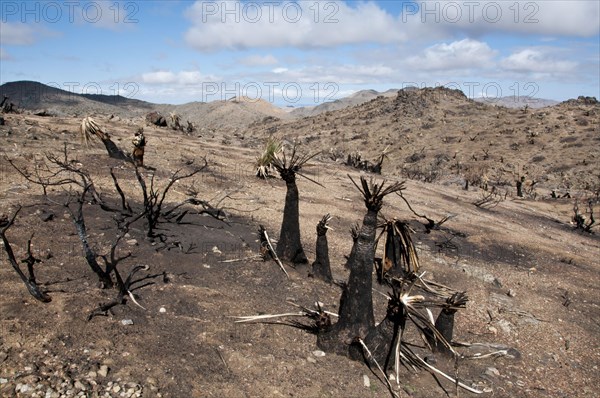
[581, 221]
[154, 199]
[90, 129]
[520, 187]
[289, 246]
[29, 281]
[321, 268]
[356, 317]
[65, 172]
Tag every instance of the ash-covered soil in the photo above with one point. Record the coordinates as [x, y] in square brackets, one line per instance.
[531, 278]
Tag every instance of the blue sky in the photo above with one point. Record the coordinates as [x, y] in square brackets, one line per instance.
[302, 52]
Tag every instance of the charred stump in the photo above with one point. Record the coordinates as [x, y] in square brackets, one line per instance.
[289, 246]
[321, 268]
[356, 319]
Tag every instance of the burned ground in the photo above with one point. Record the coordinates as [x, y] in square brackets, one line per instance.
[531, 278]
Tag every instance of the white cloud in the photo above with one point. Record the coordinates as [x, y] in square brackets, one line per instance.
[259, 60]
[238, 25]
[168, 77]
[16, 34]
[233, 24]
[539, 61]
[464, 54]
[579, 18]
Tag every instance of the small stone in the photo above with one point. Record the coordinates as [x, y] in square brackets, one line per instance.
[493, 330]
[103, 371]
[3, 380]
[151, 380]
[162, 310]
[116, 388]
[318, 353]
[126, 322]
[216, 250]
[492, 372]
[311, 360]
[79, 385]
[366, 381]
[511, 293]
[92, 374]
[132, 242]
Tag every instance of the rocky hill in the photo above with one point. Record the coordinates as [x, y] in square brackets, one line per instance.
[438, 134]
[357, 98]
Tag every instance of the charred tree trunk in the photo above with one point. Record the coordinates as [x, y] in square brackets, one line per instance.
[356, 319]
[356, 305]
[113, 150]
[89, 254]
[321, 268]
[289, 246]
[520, 187]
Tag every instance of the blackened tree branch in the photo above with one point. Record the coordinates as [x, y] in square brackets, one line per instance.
[30, 281]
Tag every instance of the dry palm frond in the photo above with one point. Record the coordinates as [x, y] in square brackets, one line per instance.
[321, 319]
[399, 250]
[266, 248]
[289, 167]
[90, 129]
[322, 226]
[372, 358]
[416, 309]
[374, 193]
[265, 160]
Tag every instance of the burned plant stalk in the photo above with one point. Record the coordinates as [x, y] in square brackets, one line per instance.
[356, 317]
[30, 282]
[321, 268]
[289, 246]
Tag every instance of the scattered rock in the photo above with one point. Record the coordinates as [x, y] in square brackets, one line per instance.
[132, 242]
[492, 372]
[162, 310]
[46, 216]
[126, 322]
[103, 371]
[511, 293]
[318, 353]
[366, 381]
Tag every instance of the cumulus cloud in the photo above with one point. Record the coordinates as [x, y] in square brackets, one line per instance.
[539, 61]
[239, 25]
[578, 18]
[464, 54]
[168, 77]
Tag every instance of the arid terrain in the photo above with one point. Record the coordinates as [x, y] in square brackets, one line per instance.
[531, 277]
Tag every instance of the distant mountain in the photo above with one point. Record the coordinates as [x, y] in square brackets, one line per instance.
[231, 115]
[360, 97]
[33, 96]
[518, 102]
